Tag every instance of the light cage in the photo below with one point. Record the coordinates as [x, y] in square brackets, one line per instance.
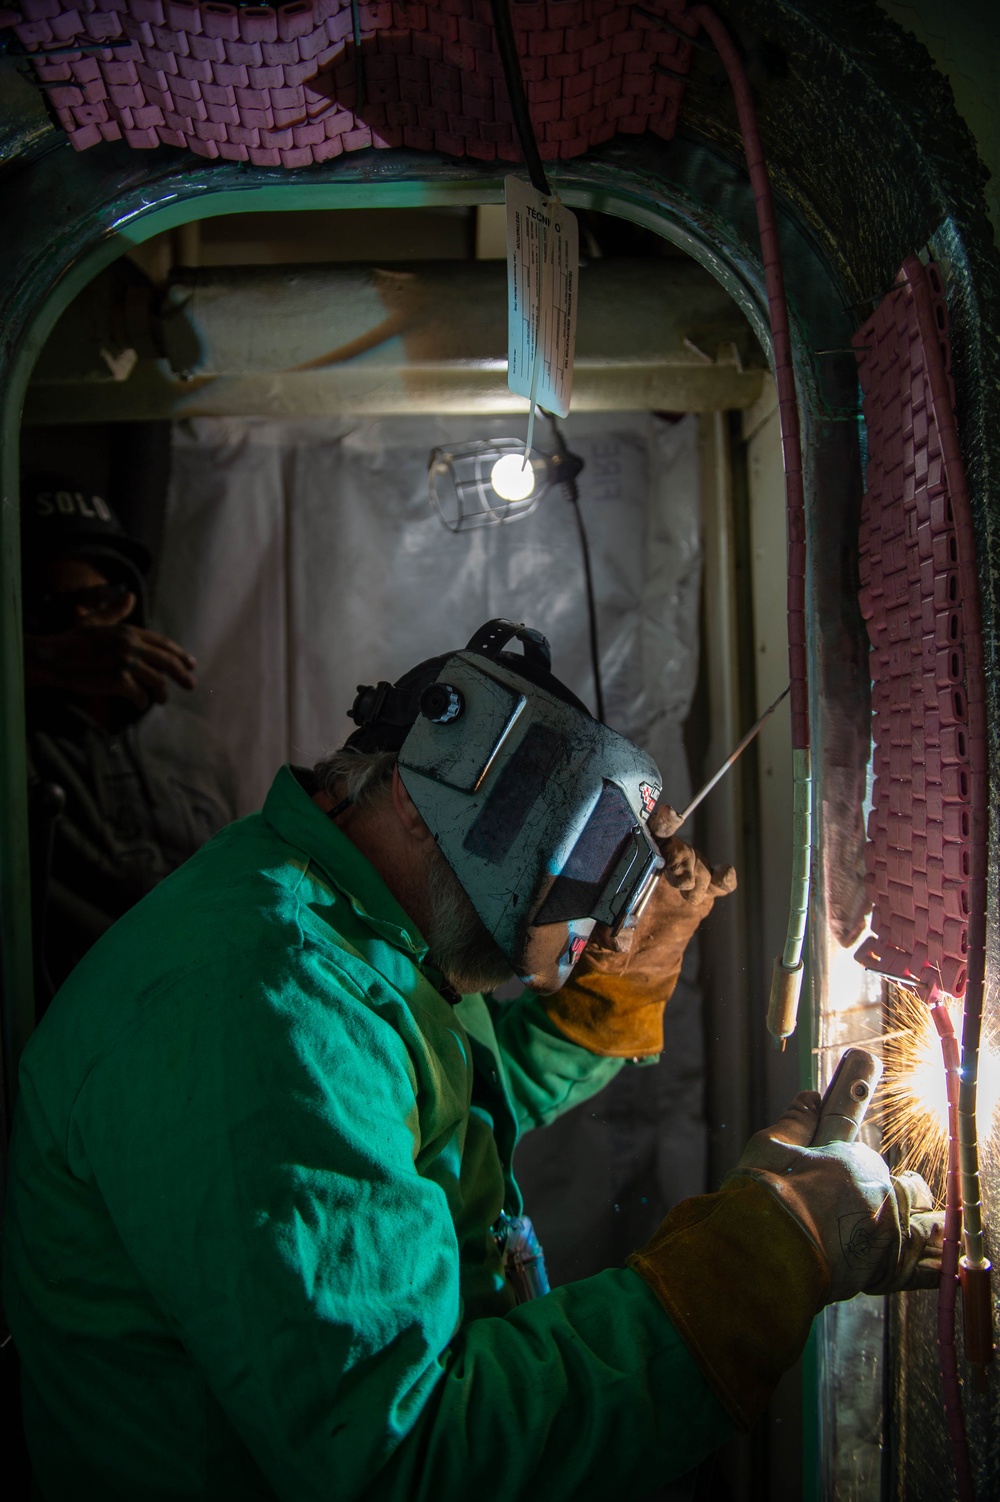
[462, 491]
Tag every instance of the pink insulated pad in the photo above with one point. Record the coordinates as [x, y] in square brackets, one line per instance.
[301, 83]
[918, 598]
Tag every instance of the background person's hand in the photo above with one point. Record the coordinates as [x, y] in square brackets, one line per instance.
[122, 661]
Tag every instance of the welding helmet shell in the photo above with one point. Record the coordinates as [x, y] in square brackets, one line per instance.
[538, 808]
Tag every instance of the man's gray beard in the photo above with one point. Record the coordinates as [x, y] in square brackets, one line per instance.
[460, 945]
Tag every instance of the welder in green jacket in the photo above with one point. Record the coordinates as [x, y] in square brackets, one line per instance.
[261, 1209]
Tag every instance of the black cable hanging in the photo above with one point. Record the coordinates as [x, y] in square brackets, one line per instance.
[567, 465]
[507, 48]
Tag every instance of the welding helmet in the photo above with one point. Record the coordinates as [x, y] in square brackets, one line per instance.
[538, 808]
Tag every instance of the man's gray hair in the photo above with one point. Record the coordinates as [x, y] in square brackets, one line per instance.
[463, 949]
[362, 776]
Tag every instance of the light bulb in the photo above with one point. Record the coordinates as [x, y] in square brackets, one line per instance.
[513, 477]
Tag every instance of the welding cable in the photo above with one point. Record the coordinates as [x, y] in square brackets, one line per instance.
[975, 1268]
[503, 30]
[948, 1357]
[787, 980]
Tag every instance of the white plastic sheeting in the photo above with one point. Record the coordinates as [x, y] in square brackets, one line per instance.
[302, 559]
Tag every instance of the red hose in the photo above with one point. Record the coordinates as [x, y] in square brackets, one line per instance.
[954, 1417]
[928, 298]
[784, 371]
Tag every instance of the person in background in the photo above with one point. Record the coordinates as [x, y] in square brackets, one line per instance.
[264, 1236]
[124, 785]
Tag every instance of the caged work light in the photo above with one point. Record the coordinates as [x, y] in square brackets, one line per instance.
[486, 483]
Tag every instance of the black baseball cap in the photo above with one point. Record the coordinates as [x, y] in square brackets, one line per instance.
[60, 519]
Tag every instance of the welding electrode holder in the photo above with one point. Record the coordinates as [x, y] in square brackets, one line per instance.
[847, 1097]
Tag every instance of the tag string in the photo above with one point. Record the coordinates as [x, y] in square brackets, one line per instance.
[542, 284]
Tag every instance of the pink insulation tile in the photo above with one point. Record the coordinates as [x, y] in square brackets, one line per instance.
[221, 21]
[426, 76]
[184, 15]
[916, 566]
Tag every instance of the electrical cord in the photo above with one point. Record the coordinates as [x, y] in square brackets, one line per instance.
[567, 467]
[359, 62]
[503, 29]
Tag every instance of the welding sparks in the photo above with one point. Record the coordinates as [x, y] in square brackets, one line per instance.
[914, 1101]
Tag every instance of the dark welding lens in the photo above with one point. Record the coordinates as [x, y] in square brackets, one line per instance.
[599, 850]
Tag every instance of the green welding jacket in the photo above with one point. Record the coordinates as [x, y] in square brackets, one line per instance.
[248, 1254]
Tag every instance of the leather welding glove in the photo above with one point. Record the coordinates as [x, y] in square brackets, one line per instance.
[614, 1000]
[741, 1273]
[877, 1233]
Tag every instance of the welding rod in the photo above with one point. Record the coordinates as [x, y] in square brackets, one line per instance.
[734, 756]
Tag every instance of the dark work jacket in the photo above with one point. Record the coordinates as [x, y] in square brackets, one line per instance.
[139, 800]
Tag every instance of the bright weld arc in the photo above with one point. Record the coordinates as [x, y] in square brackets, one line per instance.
[937, 1013]
[914, 1109]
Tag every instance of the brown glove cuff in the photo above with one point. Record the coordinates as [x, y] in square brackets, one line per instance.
[741, 1282]
[600, 1013]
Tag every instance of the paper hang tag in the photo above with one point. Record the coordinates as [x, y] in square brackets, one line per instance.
[543, 262]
